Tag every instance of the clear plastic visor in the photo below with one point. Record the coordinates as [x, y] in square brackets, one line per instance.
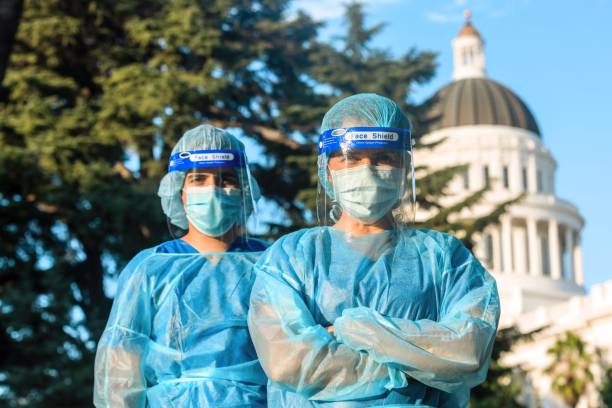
[365, 178]
[210, 193]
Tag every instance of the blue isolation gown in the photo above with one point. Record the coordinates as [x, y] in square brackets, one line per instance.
[177, 334]
[414, 316]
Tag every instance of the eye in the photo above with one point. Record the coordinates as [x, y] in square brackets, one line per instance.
[197, 179]
[230, 181]
[387, 158]
[351, 157]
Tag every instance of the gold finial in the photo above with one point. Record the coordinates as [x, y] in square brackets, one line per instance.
[467, 14]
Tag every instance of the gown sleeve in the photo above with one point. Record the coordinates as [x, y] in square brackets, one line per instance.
[298, 354]
[451, 354]
[119, 379]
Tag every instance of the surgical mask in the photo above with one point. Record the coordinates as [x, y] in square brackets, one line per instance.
[213, 210]
[367, 192]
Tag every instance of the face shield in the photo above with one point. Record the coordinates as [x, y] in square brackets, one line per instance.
[210, 190]
[367, 174]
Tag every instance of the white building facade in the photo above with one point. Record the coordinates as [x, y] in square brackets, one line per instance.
[535, 252]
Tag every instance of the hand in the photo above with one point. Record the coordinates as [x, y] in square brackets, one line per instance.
[330, 330]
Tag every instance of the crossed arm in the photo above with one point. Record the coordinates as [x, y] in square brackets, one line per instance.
[370, 353]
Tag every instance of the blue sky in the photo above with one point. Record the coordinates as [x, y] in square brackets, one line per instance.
[557, 55]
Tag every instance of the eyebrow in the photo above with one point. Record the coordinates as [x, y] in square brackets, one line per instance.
[221, 173]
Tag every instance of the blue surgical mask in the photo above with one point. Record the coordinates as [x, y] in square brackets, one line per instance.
[367, 192]
[213, 210]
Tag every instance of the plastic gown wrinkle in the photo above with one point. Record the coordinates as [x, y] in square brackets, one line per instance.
[449, 354]
[119, 377]
[410, 300]
[298, 353]
[177, 335]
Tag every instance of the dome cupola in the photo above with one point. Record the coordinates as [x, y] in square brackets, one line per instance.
[472, 98]
[480, 101]
[468, 52]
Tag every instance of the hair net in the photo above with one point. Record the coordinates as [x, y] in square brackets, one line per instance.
[203, 137]
[366, 109]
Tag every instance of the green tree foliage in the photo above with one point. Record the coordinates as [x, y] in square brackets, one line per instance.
[570, 370]
[503, 384]
[95, 95]
[605, 388]
[355, 65]
[97, 92]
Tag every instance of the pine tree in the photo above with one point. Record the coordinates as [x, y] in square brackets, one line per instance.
[97, 92]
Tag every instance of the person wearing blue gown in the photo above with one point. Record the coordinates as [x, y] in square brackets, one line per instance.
[177, 334]
[366, 310]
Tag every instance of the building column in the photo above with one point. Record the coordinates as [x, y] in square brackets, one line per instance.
[579, 273]
[506, 223]
[569, 243]
[497, 263]
[535, 264]
[553, 241]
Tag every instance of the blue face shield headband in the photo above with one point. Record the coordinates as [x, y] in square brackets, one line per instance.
[364, 137]
[198, 159]
[213, 210]
[367, 137]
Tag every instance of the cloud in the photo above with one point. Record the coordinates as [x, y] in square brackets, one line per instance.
[320, 10]
[438, 17]
[330, 9]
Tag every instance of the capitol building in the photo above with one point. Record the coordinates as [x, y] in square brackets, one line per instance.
[535, 252]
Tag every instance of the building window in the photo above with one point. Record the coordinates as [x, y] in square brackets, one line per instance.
[466, 179]
[486, 176]
[540, 182]
[488, 242]
[525, 179]
[564, 254]
[467, 56]
[506, 177]
[551, 184]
